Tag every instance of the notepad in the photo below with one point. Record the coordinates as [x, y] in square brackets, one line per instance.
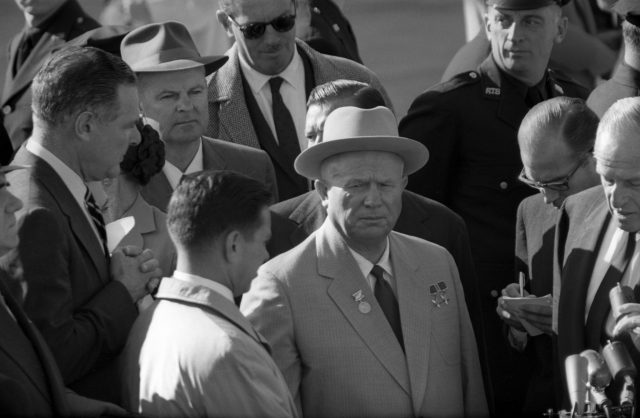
[515, 304]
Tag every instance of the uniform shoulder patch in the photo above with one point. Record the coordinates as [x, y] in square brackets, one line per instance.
[457, 81]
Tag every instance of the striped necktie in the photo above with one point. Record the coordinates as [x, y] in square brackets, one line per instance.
[96, 217]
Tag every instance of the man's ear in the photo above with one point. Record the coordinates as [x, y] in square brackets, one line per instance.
[223, 19]
[563, 25]
[323, 191]
[405, 180]
[233, 247]
[487, 26]
[85, 124]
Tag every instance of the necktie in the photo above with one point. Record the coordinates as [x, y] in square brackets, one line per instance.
[285, 128]
[534, 96]
[96, 217]
[387, 301]
[599, 312]
[24, 48]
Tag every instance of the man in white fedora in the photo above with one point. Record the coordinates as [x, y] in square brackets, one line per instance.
[362, 320]
[173, 96]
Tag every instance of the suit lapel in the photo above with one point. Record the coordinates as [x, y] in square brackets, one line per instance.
[158, 191]
[211, 159]
[413, 295]
[8, 77]
[336, 263]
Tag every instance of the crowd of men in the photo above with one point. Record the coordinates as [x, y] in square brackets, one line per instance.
[257, 234]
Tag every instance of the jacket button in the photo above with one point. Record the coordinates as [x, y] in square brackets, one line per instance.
[7, 109]
[504, 185]
[494, 293]
[316, 10]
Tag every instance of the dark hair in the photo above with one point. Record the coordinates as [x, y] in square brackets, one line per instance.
[207, 204]
[144, 160]
[631, 35]
[359, 94]
[77, 78]
[569, 116]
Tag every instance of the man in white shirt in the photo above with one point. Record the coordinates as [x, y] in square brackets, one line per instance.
[365, 321]
[192, 353]
[173, 95]
[597, 236]
[80, 297]
[259, 97]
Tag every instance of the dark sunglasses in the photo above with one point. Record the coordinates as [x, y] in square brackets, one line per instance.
[561, 185]
[256, 30]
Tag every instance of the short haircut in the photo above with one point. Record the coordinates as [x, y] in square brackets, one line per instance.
[76, 79]
[631, 35]
[359, 94]
[569, 117]
[208, 204]
[623, 114]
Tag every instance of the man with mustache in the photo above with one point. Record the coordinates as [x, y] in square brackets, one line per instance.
[470, 124]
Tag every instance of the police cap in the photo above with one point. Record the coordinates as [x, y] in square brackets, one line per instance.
[525, 4]
[629, 9]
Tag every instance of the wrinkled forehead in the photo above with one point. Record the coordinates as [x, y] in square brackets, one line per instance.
[361, 163]
[260, 10]
[618, 147]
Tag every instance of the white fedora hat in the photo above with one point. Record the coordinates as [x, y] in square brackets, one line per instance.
[351, 129]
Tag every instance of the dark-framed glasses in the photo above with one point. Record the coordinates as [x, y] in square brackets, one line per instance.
[255, 30]
[561, 185]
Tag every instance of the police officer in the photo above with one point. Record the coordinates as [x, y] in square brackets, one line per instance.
[626, 79]
[469, 124]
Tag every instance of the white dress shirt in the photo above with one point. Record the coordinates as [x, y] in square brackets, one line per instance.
[365, 267]
[174, 174]
[292, 91]
[201, 281]
[71, 180]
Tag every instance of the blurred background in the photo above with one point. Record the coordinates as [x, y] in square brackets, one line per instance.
[408, 43]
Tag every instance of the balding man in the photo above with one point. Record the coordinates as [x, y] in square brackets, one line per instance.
[365, 321]
[597, 236]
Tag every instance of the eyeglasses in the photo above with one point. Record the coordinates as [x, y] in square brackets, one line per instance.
[561, 185]
[256, 30]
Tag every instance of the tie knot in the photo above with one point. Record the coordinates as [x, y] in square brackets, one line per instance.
[88, 197]
[377, 272]
[275, 83]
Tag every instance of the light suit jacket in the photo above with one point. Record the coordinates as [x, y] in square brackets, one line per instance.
[192, 353]
[229, 116]
[218, 155]
[341, 362]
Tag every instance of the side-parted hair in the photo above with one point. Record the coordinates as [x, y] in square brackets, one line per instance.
[625, 113]
[359, 94]
[210, 203]
[570, 117]
[75, 79]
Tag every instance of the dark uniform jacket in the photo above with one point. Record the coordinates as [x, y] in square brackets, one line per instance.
[624, 83]
[68, 22]
[470, 124]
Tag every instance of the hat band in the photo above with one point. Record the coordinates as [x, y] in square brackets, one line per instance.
[166, 56]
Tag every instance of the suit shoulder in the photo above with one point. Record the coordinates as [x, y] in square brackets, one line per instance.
[453, 90]
[584, 201]
[286, 207]
[432, 207]
[568, 86]
[418, 245]
[282, 265]
[223, 146]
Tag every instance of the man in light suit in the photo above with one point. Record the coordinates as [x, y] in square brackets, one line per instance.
[365, 321]
[80, 297]
[266, 59]
[30, 381]
[556, 138]
[48, 25]
[596, 237]
[192, 353]
[173, 95]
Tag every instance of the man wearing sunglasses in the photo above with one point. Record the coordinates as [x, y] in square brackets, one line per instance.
[556, 140]
[259, 97]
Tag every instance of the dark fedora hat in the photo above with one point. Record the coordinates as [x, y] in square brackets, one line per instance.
[525, 4]
[166, 46]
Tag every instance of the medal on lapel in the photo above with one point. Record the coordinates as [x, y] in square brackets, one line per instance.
[442, 287]
[363, 306]
[435, 295]
[438, 294]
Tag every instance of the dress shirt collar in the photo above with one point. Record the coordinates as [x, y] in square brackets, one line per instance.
[365, 265]
[70, 178]
[174, 174]
[293, 74]
[201, 281]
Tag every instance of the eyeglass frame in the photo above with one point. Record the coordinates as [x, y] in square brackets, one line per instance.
[244, 28]
[561, 185]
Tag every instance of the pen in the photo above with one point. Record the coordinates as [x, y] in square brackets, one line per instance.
[521, 283]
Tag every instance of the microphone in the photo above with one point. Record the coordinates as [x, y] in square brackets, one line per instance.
[599, 378]
[576, 370]
[622, 369]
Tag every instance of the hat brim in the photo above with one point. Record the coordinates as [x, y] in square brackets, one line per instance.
[211, 64]
[9, 168]
[414, 154]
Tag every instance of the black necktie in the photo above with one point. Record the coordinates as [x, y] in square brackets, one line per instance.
[285, 128]
[387, 301]
[96, 217]
[534, 96]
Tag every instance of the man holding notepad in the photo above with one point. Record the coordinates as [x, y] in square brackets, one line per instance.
[555, 138]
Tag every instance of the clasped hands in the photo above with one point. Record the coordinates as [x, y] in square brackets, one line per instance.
[540, 316]
[136, 269]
